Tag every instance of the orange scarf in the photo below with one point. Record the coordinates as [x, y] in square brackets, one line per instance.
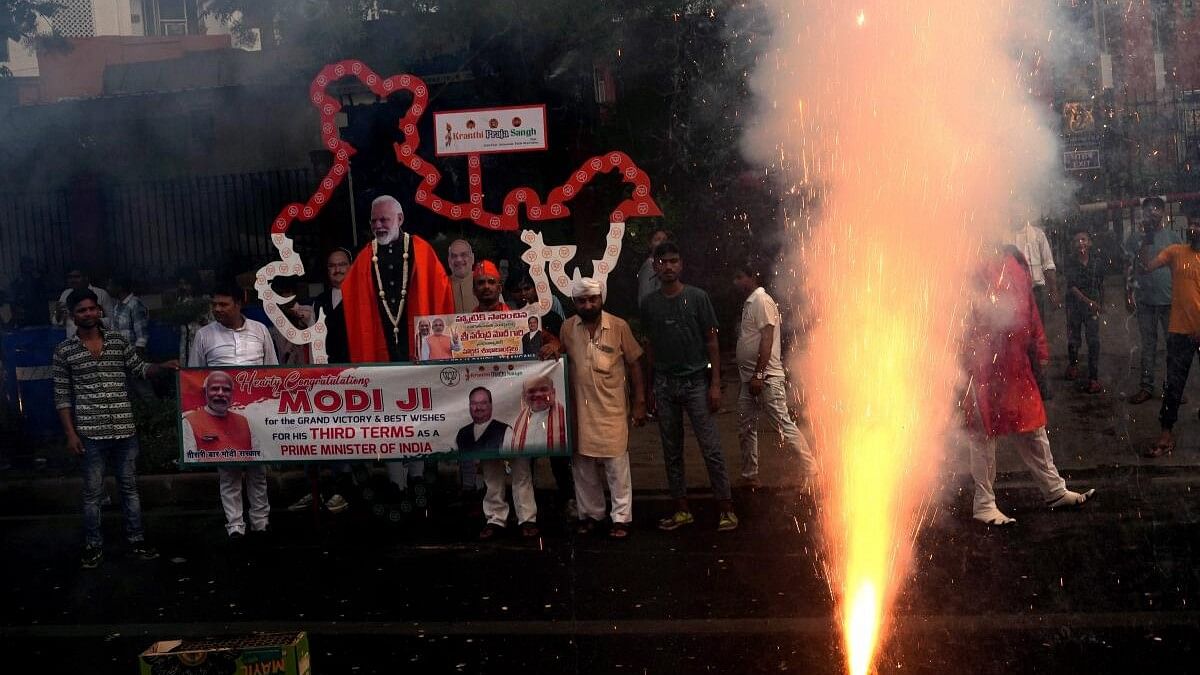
[429, 293]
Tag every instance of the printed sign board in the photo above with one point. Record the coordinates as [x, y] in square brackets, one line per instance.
[1081, 159]
[487, 130]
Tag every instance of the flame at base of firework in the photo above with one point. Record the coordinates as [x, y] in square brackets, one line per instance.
[864, 616]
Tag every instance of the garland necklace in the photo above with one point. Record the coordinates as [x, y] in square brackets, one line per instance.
[393, 318]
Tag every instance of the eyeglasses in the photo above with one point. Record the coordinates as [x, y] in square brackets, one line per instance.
[336, 266]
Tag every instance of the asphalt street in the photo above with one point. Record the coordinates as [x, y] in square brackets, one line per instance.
[1111, 587]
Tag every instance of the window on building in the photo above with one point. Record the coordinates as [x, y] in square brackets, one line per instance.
[3, 50]
[172, 17]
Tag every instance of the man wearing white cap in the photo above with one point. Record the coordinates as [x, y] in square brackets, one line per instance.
[603, 355]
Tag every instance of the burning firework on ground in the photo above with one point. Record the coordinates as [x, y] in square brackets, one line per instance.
[907, 127]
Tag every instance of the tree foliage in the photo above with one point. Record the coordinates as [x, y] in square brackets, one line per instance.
[19, 18]
[19, 21]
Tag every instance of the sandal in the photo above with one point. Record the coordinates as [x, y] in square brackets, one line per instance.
[585, 526]
[529, 530]
[619, 531]
[489, 531]
[1159, 449]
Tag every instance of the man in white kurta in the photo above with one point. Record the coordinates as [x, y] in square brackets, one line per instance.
[604, 361]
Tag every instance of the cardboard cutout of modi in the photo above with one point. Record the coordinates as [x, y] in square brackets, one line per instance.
[497, 130]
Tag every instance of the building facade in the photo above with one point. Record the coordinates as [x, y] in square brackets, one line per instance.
[107, 18]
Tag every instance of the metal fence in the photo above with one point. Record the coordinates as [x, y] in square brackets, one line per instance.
[34, 225]
[155, 228]
[1148, 145]
[152, 229]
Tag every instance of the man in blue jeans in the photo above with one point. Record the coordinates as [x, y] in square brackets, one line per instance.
[683, 354]
[93, 405]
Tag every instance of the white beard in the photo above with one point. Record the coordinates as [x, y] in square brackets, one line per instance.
[388, 238]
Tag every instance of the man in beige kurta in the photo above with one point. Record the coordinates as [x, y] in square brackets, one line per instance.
[604, 361]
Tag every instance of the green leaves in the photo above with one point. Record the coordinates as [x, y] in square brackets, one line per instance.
[19, 18]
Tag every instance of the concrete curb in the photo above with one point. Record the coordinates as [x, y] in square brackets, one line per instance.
[40, 496]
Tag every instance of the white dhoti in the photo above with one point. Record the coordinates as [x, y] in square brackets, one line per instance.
[398, 472]
[592, 474]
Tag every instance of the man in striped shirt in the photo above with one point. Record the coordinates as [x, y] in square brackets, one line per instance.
[93, 404]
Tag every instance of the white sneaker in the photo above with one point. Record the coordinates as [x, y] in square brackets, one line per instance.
[302, 503]
[336, 504]
[994, 517]
[1069, 498]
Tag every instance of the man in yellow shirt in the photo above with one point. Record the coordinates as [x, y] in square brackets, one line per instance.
[1183, 330]
[604, 360]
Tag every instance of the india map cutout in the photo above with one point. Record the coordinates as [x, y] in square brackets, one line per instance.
[546, 263]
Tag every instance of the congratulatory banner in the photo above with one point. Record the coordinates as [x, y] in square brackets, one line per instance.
[388, 412]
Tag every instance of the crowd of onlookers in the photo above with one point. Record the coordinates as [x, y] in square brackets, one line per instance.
[671, 370]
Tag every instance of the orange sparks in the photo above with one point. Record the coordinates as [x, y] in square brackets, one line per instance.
[911, 150]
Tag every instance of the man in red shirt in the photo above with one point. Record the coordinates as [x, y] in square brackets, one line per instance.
[1002, 402]
[487, 294]
[393, 279]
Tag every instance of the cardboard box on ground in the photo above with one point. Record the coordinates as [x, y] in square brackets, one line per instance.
[259, 654]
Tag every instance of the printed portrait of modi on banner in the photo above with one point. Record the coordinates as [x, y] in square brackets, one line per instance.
[475, 410]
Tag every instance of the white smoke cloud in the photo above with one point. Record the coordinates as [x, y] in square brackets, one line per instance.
[908, 132]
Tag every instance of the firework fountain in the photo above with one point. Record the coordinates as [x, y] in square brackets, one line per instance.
[906, 131]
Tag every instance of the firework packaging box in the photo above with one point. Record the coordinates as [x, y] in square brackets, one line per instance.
[259, 654]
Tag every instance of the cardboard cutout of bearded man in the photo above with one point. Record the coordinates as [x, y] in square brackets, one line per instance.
[394, 278]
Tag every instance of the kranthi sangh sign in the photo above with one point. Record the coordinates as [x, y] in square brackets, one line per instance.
[474, 410]
[490, 130]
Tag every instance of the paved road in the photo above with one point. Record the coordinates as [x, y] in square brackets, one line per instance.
[1110, 588]
[1113, 587]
